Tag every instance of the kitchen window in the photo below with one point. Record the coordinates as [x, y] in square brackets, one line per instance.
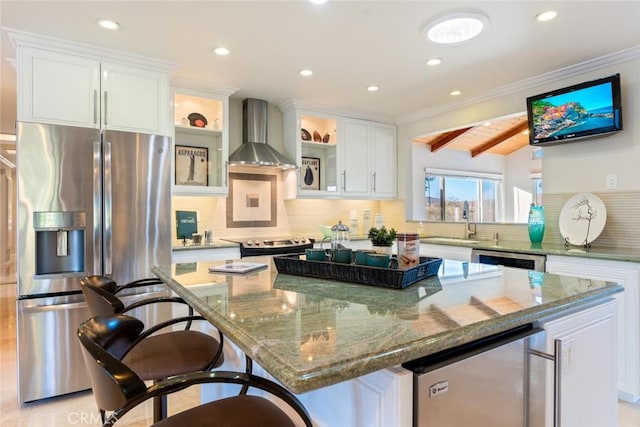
[446, 191]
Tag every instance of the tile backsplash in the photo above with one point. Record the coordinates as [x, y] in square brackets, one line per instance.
[622, 229]
[304, 217]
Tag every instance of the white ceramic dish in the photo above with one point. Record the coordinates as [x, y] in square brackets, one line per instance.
[582, 219]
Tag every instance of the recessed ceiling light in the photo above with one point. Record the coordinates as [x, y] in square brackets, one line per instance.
[434, 61]
[456, 28]
[318, 1]
[547, 15]
[306, 72]
[108, 24]
[222, 51]
[455, 93]
[372, 88]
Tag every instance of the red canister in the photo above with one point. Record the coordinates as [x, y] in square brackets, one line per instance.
[408, 250]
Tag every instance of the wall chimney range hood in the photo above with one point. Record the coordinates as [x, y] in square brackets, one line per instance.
[254, 150]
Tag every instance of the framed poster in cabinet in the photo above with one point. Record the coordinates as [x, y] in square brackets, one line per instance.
[310, 173]
[191, 165]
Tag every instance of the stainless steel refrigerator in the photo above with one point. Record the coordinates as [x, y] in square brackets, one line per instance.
[89, 202]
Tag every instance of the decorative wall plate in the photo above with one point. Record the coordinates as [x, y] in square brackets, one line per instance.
[582, 219]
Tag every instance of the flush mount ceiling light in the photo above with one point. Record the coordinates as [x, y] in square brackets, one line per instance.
[546, 16]
[372, 88]
[455, 93]
[222, 51]
[108, 24]
[306, 72]
[434, 61]
[456, 28]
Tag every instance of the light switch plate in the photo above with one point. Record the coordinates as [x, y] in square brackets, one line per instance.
[612, 181]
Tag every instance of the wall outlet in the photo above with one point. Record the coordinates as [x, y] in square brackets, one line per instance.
[612, 181]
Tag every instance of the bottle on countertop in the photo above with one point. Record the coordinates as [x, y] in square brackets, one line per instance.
[353, 223]
[366, 221]
[379, 221]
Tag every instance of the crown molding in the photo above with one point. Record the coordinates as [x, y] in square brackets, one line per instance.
[23, 38]
[296, 104]
[625, 55]
[198, 85]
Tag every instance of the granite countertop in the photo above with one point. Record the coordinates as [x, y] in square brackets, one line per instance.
[310, 333]
[217, 244]
[595, 252]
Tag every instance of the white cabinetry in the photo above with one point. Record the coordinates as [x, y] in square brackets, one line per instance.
[585, 373]
[57, 84]
[628, 318]
[209, 143]
[380, 399]
[353, 158]
[368, 160]
[204, 253]
[458, 253]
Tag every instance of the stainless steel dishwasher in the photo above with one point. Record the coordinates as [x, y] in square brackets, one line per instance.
[509, 259]
[496, 381]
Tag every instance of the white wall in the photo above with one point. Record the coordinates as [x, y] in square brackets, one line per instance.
[518, 169]
[582, 166]
[575, 167]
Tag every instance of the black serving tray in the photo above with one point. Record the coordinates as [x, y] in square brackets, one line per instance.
[361, 274]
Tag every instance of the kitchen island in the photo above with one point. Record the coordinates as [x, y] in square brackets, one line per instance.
[312, 333]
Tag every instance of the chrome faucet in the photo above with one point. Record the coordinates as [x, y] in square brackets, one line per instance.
[468, 232]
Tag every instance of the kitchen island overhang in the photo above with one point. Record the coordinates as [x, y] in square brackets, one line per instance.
[312, 333]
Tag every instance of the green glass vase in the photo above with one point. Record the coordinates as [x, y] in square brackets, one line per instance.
[536, 223]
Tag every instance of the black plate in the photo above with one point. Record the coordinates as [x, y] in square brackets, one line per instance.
[306, 136]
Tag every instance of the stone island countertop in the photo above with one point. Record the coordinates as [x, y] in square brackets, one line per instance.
[310, 333]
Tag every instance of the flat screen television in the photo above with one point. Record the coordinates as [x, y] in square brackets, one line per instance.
[584, 110]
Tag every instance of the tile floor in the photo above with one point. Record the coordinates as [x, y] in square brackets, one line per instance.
[79, 408]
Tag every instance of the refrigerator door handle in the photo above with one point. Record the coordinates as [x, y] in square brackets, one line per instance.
[95, 106]
[105, 108]
[56, 307]
[97, 207]
[108, 205]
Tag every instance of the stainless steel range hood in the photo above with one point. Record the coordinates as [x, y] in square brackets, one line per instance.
[254, 150]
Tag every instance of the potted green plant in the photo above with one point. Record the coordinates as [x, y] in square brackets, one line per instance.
[382, 239]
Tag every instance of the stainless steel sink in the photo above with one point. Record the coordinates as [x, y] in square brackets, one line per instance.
[449, 240]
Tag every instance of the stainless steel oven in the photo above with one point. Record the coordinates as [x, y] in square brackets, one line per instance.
[509, 259]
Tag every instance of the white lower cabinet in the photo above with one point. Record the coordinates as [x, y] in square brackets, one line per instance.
[584, 370]
[457, 253]
[628, 313]
[380, 399]
[206, 254]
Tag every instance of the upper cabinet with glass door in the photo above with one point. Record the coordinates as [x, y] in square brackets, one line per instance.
[312, 140]
[201, 140]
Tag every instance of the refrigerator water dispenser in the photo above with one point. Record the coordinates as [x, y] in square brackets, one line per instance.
[60, 238]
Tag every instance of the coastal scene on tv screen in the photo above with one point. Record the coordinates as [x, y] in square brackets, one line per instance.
[573, 112]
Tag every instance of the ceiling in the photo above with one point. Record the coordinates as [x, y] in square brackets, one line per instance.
[502, 136]
[348, 45]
